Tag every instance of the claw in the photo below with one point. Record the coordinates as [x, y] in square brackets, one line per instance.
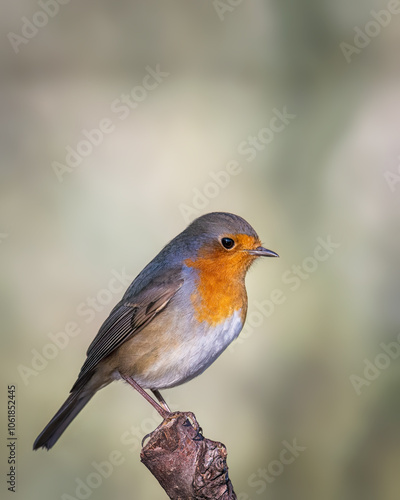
[199, 436]
[191, 421]
[145, 437]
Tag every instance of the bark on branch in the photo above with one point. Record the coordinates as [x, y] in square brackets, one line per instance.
[187, 465]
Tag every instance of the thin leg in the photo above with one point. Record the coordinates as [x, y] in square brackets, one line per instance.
[164, 413]
[161, 400]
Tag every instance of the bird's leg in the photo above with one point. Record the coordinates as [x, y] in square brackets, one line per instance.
[162, 411]
[161, 400]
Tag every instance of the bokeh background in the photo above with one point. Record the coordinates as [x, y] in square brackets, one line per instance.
[330, 173]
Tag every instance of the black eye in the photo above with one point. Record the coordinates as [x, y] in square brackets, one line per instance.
[227, 243]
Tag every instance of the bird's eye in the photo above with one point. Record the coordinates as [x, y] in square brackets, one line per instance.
[227, 243]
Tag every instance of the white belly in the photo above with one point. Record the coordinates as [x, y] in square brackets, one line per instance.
[192, 355]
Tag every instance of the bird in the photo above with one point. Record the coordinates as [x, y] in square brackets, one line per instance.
[174, 320]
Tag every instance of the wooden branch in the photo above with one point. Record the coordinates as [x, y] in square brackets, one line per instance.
[187, 465]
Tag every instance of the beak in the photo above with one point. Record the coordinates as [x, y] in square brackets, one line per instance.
[262, 252]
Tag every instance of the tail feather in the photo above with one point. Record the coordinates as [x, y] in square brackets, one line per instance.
[57, 425]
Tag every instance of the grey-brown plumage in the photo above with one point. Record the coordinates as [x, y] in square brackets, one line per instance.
[174, 320]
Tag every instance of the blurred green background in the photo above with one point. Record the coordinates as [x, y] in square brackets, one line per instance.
[310, 370]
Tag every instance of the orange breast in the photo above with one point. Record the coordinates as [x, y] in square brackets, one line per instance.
[220, 289]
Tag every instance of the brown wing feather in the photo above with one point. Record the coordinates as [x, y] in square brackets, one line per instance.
[125, 320]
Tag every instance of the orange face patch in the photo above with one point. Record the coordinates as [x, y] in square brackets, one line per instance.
[220, 287]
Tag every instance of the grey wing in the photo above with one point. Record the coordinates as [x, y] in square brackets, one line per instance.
[125, 320]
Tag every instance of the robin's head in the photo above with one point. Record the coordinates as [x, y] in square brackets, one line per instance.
[227, 241]
[222, 248]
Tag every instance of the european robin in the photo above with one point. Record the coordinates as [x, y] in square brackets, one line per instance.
[177, 316]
